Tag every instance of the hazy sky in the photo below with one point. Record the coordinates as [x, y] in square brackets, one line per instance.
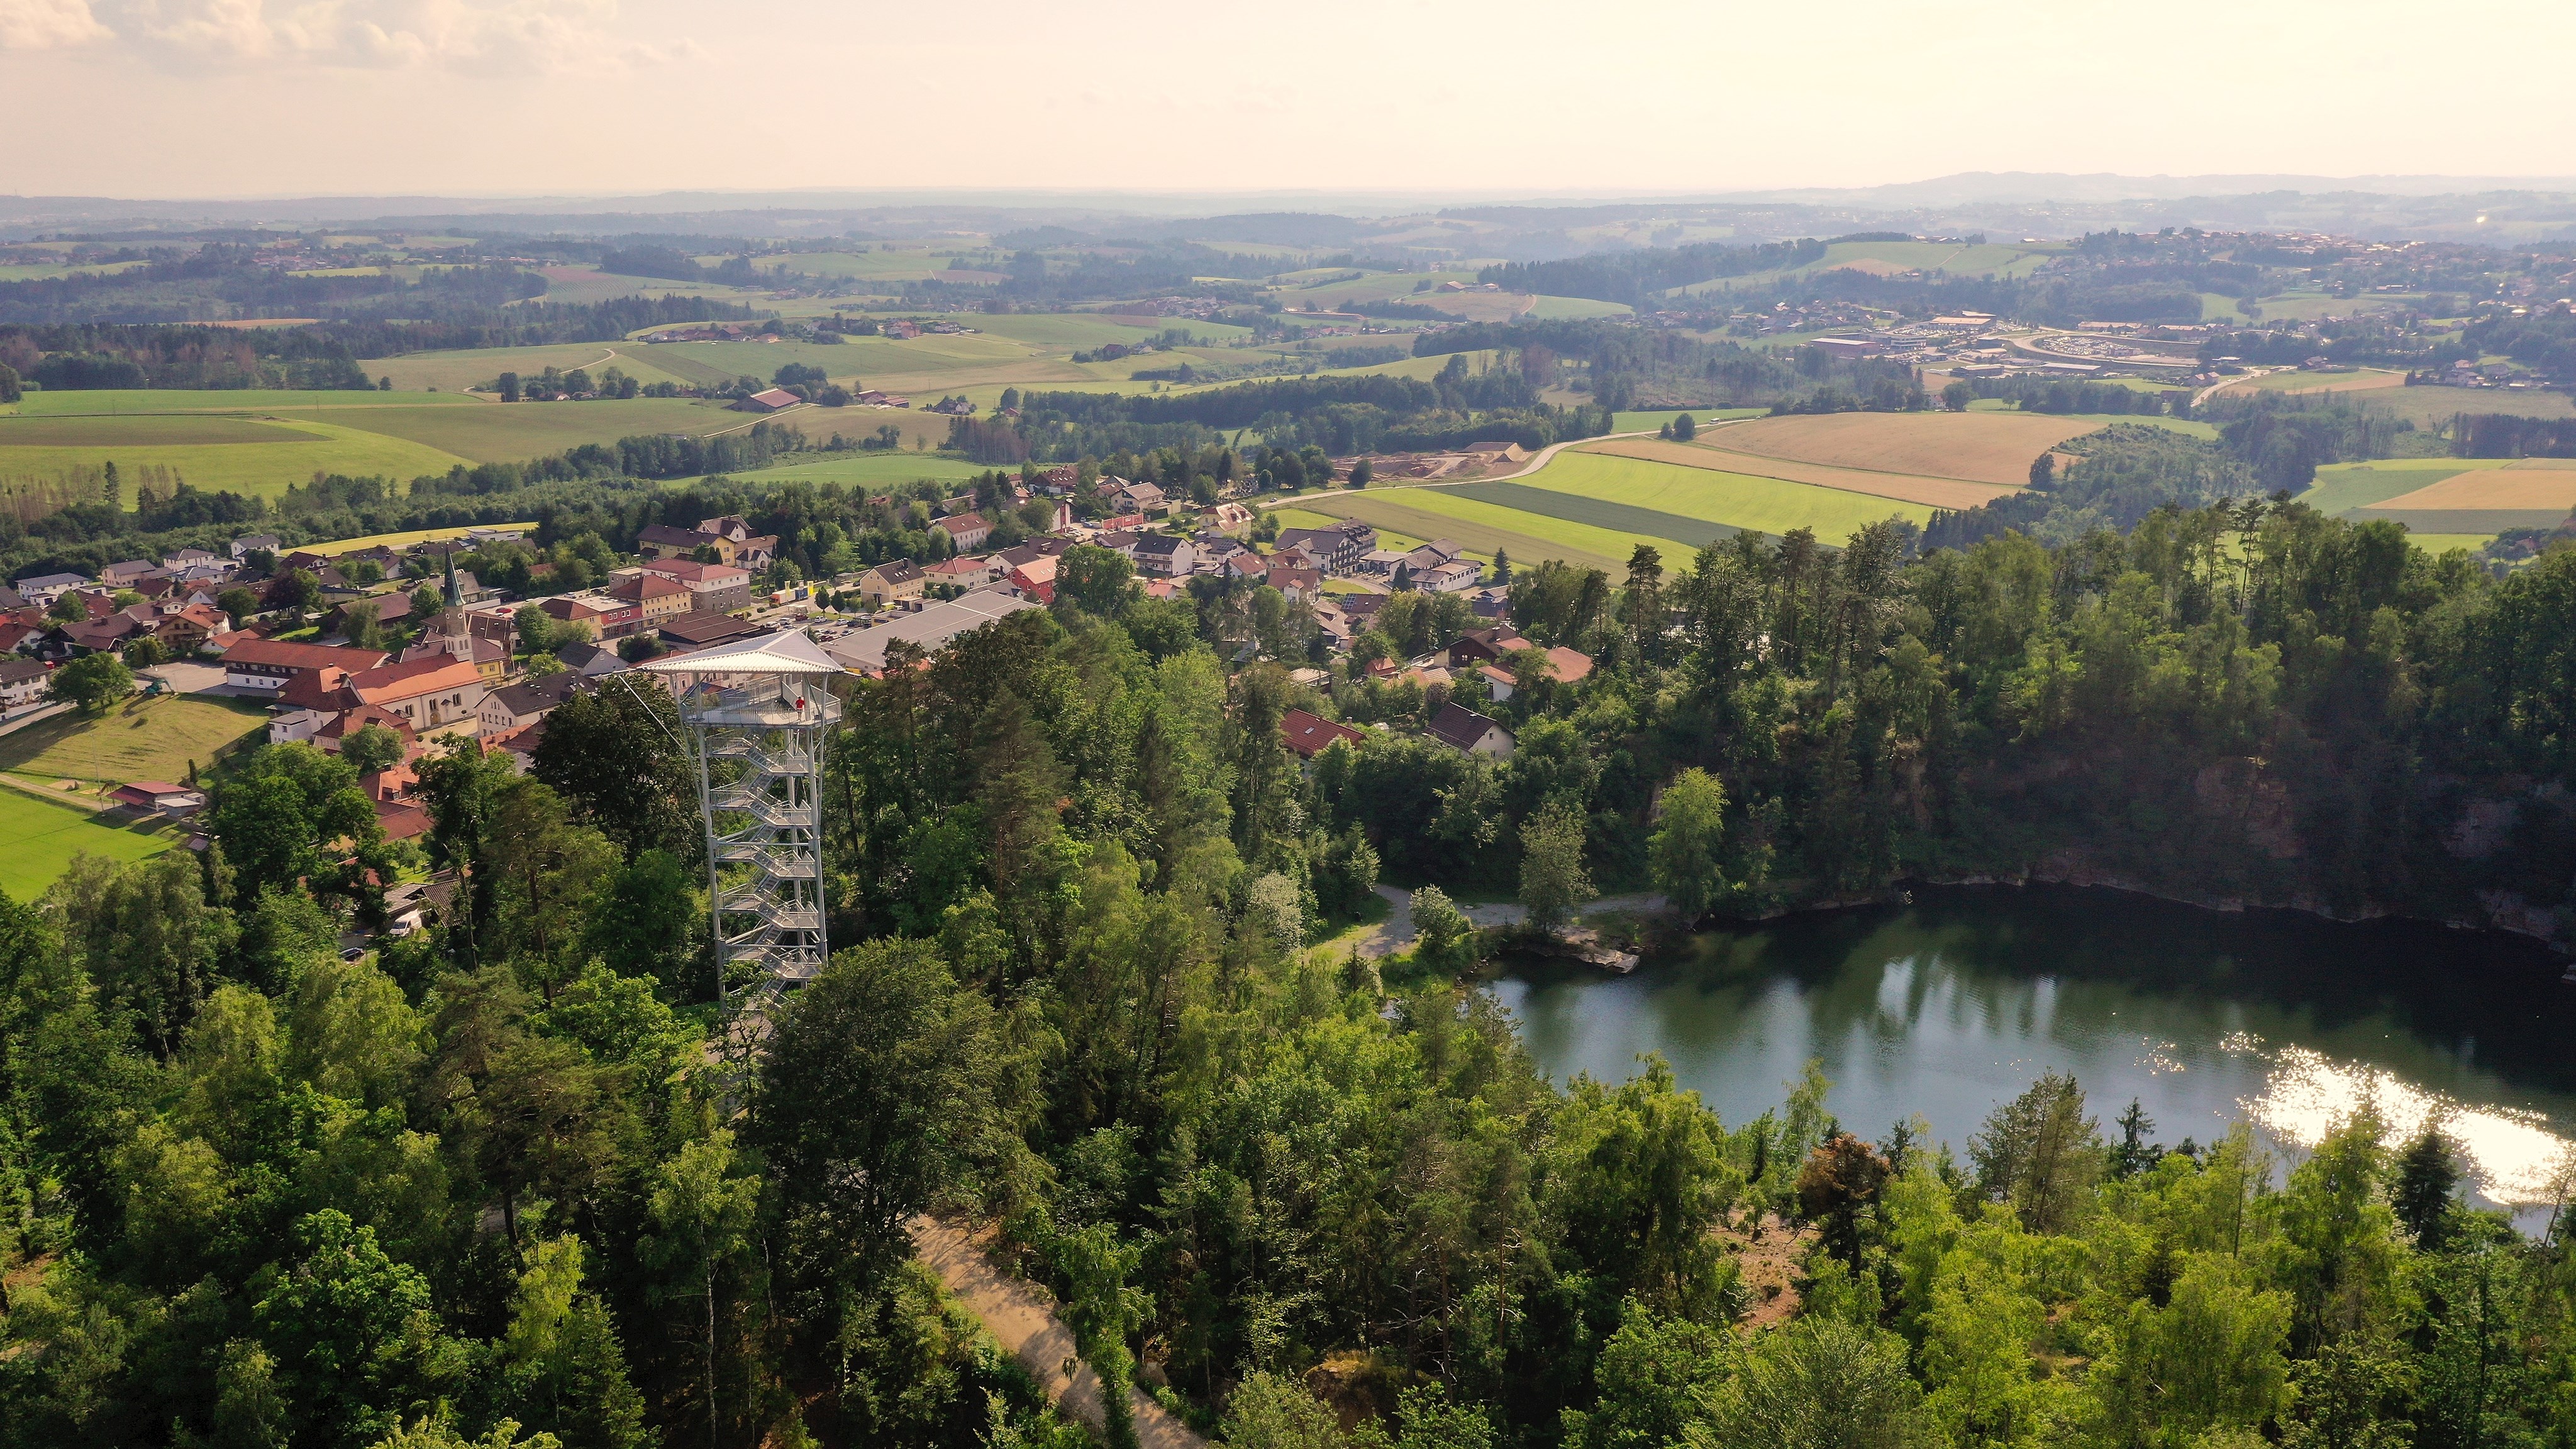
[149, 98]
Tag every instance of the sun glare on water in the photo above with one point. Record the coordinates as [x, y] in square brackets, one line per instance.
[2514, 1159]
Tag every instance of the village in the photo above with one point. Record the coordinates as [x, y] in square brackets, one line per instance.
[401, 644]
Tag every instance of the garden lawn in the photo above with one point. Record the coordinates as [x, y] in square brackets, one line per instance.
[141, 739]
[44, 836]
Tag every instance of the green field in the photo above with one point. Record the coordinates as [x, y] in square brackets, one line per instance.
[1444, 513]
[2361, 380]
[159, 430]
[142, 739]
[2445, 542]
[1552, 308]
[1738, 500]
[2341, 486]
[868, 470]
[508, 433]
[2430, 407]
[122, 401]
[472, 367]
[43, 837]
[1595, 512]
[302, 448]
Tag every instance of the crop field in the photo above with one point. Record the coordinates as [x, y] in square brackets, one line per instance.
[472, 367]
[2297, 380]
[1903, 487]
[2343, 486]
[868, 470]
[876, 264]
[1738, 500]
[1979, 447]
[122, 402]
[1427, 513]
[99, 430]
[300, 448]
[1552, 308]
[2553, 488]
[1490, 306]
[1592, 512]
[1073, 331]
[337, 547]
[142, 739]
[44, 836]
[2429, 407]
[587, 284]
[2001, 259]
[1647, 422]
[508, 433]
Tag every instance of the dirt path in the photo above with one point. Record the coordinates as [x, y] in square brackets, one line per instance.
[1024, 1322]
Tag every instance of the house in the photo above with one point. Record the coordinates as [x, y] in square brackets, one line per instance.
[528, 701]
[645, 600]
[962, 572]
[591, 661]
[771, 400]
[97, 636]
[1461, 728]
[704, 629]
[186, 557]
[489, 655]
[1337, 548]
[18, 636]
[42, 589]
[661, 540]
[1161, 555]
[590, 614]
[187, 630]
[713, 588]
[391, 608]
[124, 575]
[887, 582]
[1454, 577]
[334, 732]
[1487, 644]
[158, 796]
[269, 664]
[1126, 497]
[928, 628]
[1225, 517]
[1295, 583]
[22, 682]
[249, 544]
[1311, 734]
[966, 530]
[1036, 578]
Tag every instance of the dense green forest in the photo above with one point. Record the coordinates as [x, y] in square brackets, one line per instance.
[504, 1179]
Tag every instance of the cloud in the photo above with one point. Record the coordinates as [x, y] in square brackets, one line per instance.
[47, 24]
[488, 37]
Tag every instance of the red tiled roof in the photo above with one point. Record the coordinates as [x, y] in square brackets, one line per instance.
[1311, 734]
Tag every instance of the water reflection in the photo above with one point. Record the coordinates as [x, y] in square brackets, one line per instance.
[1957, 1002]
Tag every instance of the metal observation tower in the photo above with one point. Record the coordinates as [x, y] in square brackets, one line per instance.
[757, 713]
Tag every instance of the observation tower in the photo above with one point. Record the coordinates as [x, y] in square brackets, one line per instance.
[758, 712]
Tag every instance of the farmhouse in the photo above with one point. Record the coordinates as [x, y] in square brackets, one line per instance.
[1336, 548]
[22, 682]
[776, 399]
[1163, 555]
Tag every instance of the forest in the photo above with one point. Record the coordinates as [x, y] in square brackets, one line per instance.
[508, 1182]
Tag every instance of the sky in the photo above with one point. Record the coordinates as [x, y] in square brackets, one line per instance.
[254, 98]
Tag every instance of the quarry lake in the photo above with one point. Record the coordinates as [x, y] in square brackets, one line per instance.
[1953, 1003]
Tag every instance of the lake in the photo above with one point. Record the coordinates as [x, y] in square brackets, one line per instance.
[1955, 1002]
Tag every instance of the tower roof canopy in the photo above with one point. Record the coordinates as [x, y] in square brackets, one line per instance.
[785, 652]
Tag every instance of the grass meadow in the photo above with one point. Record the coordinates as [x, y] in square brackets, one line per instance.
[452, 372]
[43, 837]
[142, 739]
[121, 402]
[299, 449]
[507, 433]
